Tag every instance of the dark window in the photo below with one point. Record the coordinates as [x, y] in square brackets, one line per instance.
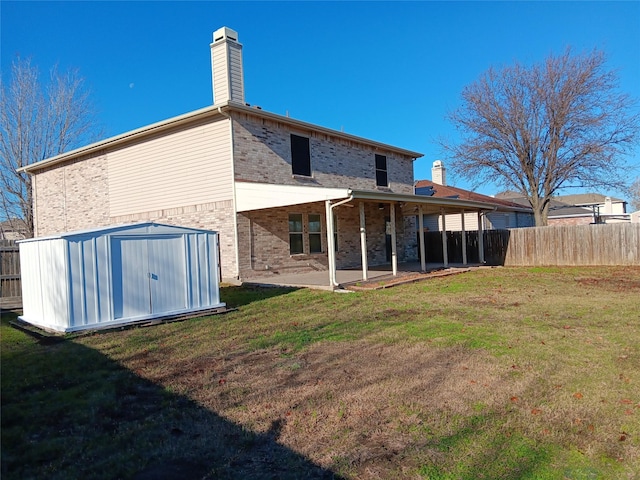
[315, 234]
[381, 171]
[295, 233]
[300, 156]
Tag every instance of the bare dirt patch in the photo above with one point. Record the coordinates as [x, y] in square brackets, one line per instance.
[356, 405]
[621, 280]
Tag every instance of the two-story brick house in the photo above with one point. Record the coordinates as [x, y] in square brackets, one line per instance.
[285, 195]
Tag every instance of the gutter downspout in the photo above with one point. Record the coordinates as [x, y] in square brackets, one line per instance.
[233, 183]
[331, 253]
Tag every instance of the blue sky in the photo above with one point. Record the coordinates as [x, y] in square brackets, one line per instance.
[388, 71]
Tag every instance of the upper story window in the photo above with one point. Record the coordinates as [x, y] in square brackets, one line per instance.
[381, 171]
[300, 156]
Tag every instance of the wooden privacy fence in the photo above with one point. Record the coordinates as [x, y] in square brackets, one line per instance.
[607, 244]
[576, 245]
[10, 287]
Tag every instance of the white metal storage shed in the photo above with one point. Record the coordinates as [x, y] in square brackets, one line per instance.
[117, 275]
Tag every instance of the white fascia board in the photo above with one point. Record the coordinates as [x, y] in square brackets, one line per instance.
[256, 196]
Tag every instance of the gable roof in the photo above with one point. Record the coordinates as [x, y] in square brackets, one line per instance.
[556, 207]
[139, 228]
[222, 110]
[423, 187]
[586, 199]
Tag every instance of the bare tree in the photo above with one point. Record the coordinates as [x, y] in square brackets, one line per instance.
[634, 194]
[535, 129]
[37, 122]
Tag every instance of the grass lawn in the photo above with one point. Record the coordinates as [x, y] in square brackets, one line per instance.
[527, 373]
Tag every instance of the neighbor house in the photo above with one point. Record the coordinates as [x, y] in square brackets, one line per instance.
[13, 229]
[285, 195]
[579, 209]
[503, 214]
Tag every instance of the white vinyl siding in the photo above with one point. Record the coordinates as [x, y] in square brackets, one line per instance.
[493, 221]
[453, 221]
[187, 167]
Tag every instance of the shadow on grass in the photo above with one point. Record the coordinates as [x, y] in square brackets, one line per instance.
[238, 296]
[70, 412]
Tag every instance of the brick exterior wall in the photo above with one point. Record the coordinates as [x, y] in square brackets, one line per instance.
[570, 221]
[72, 196]
[263, 154]
[75, 196]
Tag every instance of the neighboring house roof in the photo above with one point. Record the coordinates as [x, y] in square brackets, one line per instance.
[561, 209]
[586, 199]
[429, 188]
[556, 207]
[222, 109]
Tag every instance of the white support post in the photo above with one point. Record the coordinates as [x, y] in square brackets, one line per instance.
[394, 253]
[480, 238]
[464, 241]
[363, 243]
[331, 249]
[445, 251]
[423, 258]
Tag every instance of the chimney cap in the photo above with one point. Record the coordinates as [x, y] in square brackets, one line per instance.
[224, 33]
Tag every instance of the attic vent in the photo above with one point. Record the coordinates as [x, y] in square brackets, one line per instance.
[222, 37]
[217, 39]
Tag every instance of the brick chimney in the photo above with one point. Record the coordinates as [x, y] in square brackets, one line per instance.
[439, 173]
[226, 66]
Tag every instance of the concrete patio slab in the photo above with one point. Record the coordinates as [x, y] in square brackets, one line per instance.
[320, 279]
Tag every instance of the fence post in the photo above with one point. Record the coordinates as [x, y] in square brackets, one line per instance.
[480, 239]
[445, 251]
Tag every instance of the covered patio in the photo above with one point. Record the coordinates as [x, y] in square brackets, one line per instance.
[256, 196]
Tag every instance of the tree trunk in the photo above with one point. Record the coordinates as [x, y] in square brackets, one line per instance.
[540, 211]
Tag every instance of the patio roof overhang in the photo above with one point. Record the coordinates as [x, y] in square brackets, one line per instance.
[257, 196]
[251, 196]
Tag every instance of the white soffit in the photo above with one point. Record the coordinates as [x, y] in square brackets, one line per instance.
[255, 196]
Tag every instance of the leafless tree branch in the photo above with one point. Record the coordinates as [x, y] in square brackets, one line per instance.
[536, 129]
[38, 122]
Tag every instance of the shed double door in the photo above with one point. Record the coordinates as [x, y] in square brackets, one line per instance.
[149, 275]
